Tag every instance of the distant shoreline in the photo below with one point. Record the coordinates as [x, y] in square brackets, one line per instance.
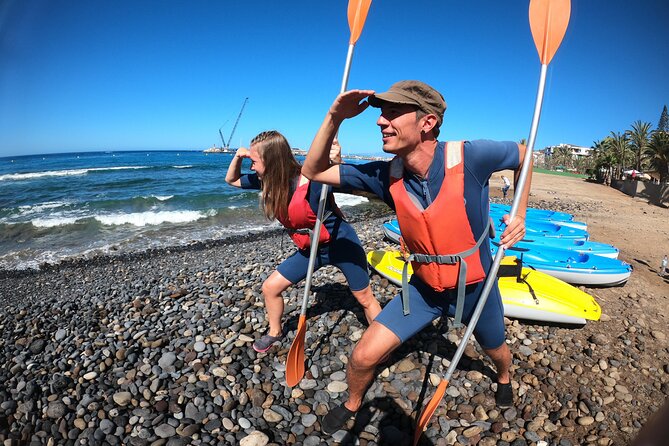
[216, 150]
[300, 152]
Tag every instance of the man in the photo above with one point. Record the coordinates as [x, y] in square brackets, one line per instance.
[440, 194]
[506, 186]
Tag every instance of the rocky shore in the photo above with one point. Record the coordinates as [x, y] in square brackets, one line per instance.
[155, 349]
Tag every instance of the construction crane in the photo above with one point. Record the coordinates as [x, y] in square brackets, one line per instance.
[227, 145]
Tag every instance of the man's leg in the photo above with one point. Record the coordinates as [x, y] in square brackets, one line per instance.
[377, 342]
[501, 356]
[390, 328]
[490, 331]
[369, 304]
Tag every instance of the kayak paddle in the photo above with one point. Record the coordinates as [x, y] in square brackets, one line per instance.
[357, 14]
[548, 22]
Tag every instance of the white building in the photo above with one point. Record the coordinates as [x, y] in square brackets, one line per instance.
[576, 151]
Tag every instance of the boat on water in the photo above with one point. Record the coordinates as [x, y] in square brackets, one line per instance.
[526, 293]
[215, 149]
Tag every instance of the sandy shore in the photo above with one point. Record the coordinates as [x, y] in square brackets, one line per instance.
[154, 349]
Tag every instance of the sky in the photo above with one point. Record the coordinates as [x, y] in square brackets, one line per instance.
[90, 75]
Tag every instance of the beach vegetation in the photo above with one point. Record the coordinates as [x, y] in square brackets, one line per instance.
[620, 145]
[657, 154]
[605, 159]
[639, 137]
[639, 148]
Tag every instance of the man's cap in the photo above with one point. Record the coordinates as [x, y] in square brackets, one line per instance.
[413, 93]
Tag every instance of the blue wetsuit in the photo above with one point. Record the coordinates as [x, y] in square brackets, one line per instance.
[343, 251]
[481, 159]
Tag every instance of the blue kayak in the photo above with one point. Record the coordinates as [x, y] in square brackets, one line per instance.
[535, 230]
[392, 232]
[579, 246]
[569, 265]
[538, 228]
[533, 213]
[530, 219]
[572, 267]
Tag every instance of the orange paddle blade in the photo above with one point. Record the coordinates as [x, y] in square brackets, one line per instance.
[357, 14]
[295, 359]
[548, 22]
[429, 410]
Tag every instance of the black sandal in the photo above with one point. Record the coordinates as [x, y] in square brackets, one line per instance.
[335, 419]
[504, 395]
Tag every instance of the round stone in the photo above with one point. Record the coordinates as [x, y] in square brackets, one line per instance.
[122, 398]
[255, 438]
[337, 386]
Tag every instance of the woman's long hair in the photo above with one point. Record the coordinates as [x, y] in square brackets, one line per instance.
[281, 168]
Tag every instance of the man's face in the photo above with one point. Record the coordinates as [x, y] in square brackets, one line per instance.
[399, 129]
[257, 164]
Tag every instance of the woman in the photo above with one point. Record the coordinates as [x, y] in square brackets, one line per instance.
[293, 200]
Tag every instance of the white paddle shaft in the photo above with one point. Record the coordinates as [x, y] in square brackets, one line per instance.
[315, 236]
[492, 273]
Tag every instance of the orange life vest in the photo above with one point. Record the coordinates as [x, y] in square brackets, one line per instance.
[439, 241]
[300, 218]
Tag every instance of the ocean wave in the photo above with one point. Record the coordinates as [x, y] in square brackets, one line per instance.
[162, 197]
[63, 173]
[53, 222]
[188, 166]
[349, 200]
[153, 218]
[41, 207]
[147, 218]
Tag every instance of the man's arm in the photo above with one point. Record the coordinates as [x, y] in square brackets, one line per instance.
[515, 230]
[317, 165]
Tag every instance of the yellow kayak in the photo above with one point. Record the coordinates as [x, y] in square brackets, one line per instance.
[526, 293]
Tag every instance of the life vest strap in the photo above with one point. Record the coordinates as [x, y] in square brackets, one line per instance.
[447, 259]
[309, 231]
[441, 259]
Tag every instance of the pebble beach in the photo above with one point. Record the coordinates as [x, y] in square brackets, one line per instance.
[155, 349]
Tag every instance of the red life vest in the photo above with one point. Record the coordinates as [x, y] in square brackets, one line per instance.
[300, 219]
[443, 251]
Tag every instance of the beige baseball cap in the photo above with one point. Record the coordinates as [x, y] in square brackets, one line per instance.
[414, 93]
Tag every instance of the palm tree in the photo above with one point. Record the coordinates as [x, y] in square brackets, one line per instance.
[566, 156]
[639, 137]
[620, 144]
[658, 154]
[605, 159]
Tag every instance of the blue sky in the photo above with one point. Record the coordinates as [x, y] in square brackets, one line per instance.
[87, 75]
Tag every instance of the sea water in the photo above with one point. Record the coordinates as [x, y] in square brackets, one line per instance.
[59, 206]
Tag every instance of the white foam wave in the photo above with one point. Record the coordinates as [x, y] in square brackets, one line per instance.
[349, 200]
[53, 222]
[188, 166]
[40, 207]
[62, 173]
[163, 197]
[153, 218]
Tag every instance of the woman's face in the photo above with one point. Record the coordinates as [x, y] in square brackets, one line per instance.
[257, 164]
